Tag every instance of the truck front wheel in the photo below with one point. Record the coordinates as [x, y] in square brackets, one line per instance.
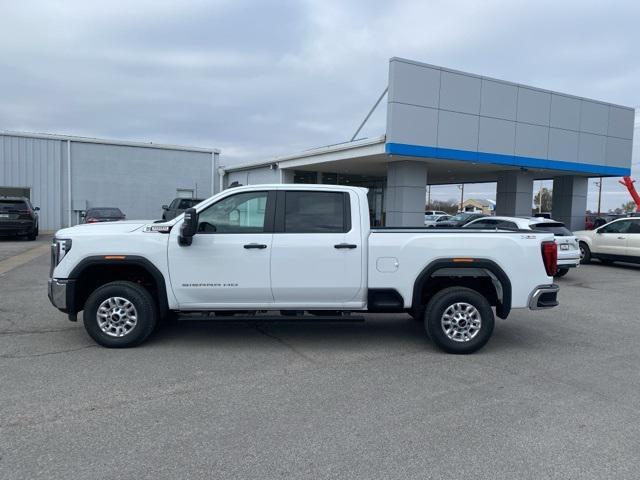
[459, 320]
[120, 315]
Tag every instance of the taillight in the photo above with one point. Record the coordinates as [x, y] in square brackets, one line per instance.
[550, 257]
[91, 220]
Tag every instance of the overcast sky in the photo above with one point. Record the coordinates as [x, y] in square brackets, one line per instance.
[266, 78]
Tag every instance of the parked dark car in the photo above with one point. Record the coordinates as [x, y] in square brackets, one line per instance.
[103, 214]
[177, 206]
[18, 217]
[459, 220]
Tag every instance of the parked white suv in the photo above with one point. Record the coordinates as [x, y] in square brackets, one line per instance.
[616, 240]
[568, 250]
[290, 249]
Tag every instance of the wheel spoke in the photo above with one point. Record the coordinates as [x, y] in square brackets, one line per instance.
[116, 316]
[461, 321]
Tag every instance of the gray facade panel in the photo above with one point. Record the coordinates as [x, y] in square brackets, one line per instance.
[414, 84]
[563, 145]
[499, 100]
[592, 148]
[532, 140]
[532, 111]
[621, 122]
[565, 112]
[458, 130]
[497, 136]
[617, 151]
[594, 117]
[534, 106]
[412, 125]
[460, 93]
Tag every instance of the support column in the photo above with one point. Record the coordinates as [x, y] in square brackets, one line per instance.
[405, 195]
[514, 194]
[570, 201]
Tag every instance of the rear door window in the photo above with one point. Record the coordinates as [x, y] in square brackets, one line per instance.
[316, 212]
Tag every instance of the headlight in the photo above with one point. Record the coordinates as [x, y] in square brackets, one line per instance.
[59, 248]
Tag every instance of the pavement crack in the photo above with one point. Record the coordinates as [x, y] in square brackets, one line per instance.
[304, 356]
[34, 355]
[10, 333]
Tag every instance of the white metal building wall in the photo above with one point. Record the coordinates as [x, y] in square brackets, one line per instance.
[36, 164]
[136, 177]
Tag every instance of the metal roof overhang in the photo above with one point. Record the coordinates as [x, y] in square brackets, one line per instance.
[370, 157]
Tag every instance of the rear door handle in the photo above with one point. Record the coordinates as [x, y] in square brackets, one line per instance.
[345, 245]
[258, 246]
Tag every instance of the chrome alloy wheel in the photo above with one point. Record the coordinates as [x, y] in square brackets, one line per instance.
[582, 252]
[461, 322]
[117, 316]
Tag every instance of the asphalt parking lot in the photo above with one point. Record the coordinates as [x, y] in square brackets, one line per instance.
[555, 394]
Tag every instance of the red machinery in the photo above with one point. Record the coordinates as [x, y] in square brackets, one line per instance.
[628, 182]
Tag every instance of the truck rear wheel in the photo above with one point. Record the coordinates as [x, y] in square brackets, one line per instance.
[459, 320]
[120, 315]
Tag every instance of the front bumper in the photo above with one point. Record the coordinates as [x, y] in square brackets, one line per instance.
[58, 293]
[544, 296]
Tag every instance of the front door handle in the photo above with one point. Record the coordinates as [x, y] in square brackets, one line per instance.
[258, 246]
[622, 238]
[345, 245]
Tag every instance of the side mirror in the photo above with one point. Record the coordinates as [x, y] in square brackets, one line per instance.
[36, 209]
[165, 207]
[189, 227]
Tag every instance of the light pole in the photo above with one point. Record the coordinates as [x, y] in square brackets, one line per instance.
[461, 187]
[428, 197]
[540, 197]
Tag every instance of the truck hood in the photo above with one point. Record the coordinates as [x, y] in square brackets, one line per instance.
[103, 228]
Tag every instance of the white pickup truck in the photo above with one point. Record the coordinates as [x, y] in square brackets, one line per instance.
[261, 250]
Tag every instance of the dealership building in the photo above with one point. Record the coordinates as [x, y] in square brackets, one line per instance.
[449, 127]
[65, 175]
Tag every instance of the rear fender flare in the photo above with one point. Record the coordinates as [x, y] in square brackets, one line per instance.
[498, 277]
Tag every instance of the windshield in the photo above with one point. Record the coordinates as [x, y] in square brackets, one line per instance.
[188, 203]
[460, 217]
[558, 229]
[104, 212]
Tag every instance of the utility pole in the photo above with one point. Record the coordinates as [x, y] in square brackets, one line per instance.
[599, 185]
[461, 187]
[428, 197]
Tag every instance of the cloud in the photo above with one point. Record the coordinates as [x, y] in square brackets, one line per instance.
[266, 78]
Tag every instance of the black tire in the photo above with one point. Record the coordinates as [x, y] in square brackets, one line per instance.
[142, 301]
[585, 253]
[446, 299]
[561, 272]
[33, 235]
